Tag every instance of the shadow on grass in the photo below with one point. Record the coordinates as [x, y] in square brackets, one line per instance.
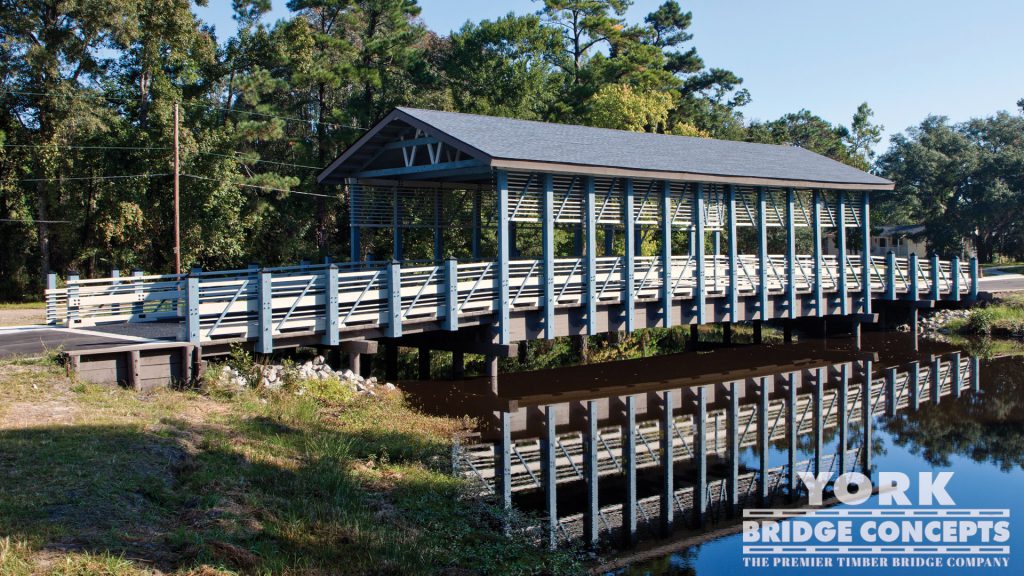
[264, 495]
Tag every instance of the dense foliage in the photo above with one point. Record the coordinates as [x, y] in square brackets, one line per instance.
[88, 89]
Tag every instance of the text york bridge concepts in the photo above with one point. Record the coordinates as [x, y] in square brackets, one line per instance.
[905, 521]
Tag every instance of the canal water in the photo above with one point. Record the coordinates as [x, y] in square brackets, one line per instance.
[935, 414]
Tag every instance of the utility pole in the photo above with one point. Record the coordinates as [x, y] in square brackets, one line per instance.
[177, 220]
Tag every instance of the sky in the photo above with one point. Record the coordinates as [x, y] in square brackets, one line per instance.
[905, 58]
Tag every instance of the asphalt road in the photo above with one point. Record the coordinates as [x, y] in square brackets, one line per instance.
[1002, 283]
[37, 341]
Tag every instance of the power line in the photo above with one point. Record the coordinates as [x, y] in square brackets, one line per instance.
[199, 105]
[244, 161]
[268, 188]
[31, 221]
[92, 177]
[75, 147]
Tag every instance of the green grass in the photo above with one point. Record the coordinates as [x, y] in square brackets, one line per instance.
[100, 480]
[22, 305]
[1002, 318]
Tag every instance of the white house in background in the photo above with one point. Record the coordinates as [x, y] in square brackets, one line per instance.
[901, 240]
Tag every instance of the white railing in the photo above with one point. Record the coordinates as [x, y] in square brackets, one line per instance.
[236, 303]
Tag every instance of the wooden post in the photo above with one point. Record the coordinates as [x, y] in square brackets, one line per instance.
[734, 292]
[451, 300]
[331, 325]
[548, 279]
[762, 252]
[177, 217]
[591, 514]
[699, 220]
[844, 306]
[591, 257]
[504, 256]
[865, 224]
[423, 359]
[265, 293]
[394, 287]
[666, 254]
[791, 252]
[667, 463]
[629, 265]
[820, 306]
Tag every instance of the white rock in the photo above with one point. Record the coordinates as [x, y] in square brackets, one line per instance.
[389, 386]
[348, 375]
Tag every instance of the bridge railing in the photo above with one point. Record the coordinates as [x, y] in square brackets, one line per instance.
[257, 303]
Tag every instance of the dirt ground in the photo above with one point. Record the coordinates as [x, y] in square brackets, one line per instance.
[21, 317]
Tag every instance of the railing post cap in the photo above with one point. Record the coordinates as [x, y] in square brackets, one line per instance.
[72, 272]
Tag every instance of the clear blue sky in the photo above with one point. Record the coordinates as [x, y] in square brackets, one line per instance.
[906, 58]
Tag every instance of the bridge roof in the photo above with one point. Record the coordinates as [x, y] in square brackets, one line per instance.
[485, 143]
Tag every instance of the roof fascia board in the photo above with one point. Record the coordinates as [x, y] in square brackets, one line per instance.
[355, 146]
[533, 166]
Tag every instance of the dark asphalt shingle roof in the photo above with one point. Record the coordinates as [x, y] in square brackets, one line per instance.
[510, 139]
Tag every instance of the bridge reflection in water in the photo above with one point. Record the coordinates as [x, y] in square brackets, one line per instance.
[614, 451]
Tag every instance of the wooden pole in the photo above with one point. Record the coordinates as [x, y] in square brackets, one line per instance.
[177, 218]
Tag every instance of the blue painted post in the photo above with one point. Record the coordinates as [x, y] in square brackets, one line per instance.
[504, 256]
[667, 437]
[819, 416]
[394, 287]
[936, 378]
[762, 252]
[974, 278]
[548, 280]
[936, 277]
[792, 432]
[954, 274]
[865, 230]
[844, 416]
[914, 381]
[138, 306]
[890, 275]
[820, 308]
[975, 374]
[192, 333]
[844, 306]
[954, 374]
[115, 275]
[265, 318]
[912, 274]
[791, 252]
[867, 416]
[503, 461]
[734, 292]
[762, 438]
[51, 298]
[733, 422]
[438, 230]
[700, 446]
[591, 514]
[890, 383]
[475, 241]
[549, 471]
[666, 254]
[589, 222]
[331, 325]
[629, 510]
[699, 221]
[73, 303]
[629, 266]
[451, 294]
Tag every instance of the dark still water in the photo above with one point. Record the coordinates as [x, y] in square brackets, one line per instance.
[978, 437]
[672, 465]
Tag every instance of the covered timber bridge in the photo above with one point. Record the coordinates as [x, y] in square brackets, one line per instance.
[532, 230]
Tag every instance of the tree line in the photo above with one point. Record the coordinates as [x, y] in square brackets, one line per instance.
[88, 88]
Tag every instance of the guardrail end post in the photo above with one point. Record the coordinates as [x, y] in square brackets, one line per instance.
[451, 286]
[51, 298]
[331, 326]
[394, 282]
[192, 309]
[264, 290]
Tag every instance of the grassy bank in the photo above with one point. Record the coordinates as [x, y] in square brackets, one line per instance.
[1001, 318]
[97, 480]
